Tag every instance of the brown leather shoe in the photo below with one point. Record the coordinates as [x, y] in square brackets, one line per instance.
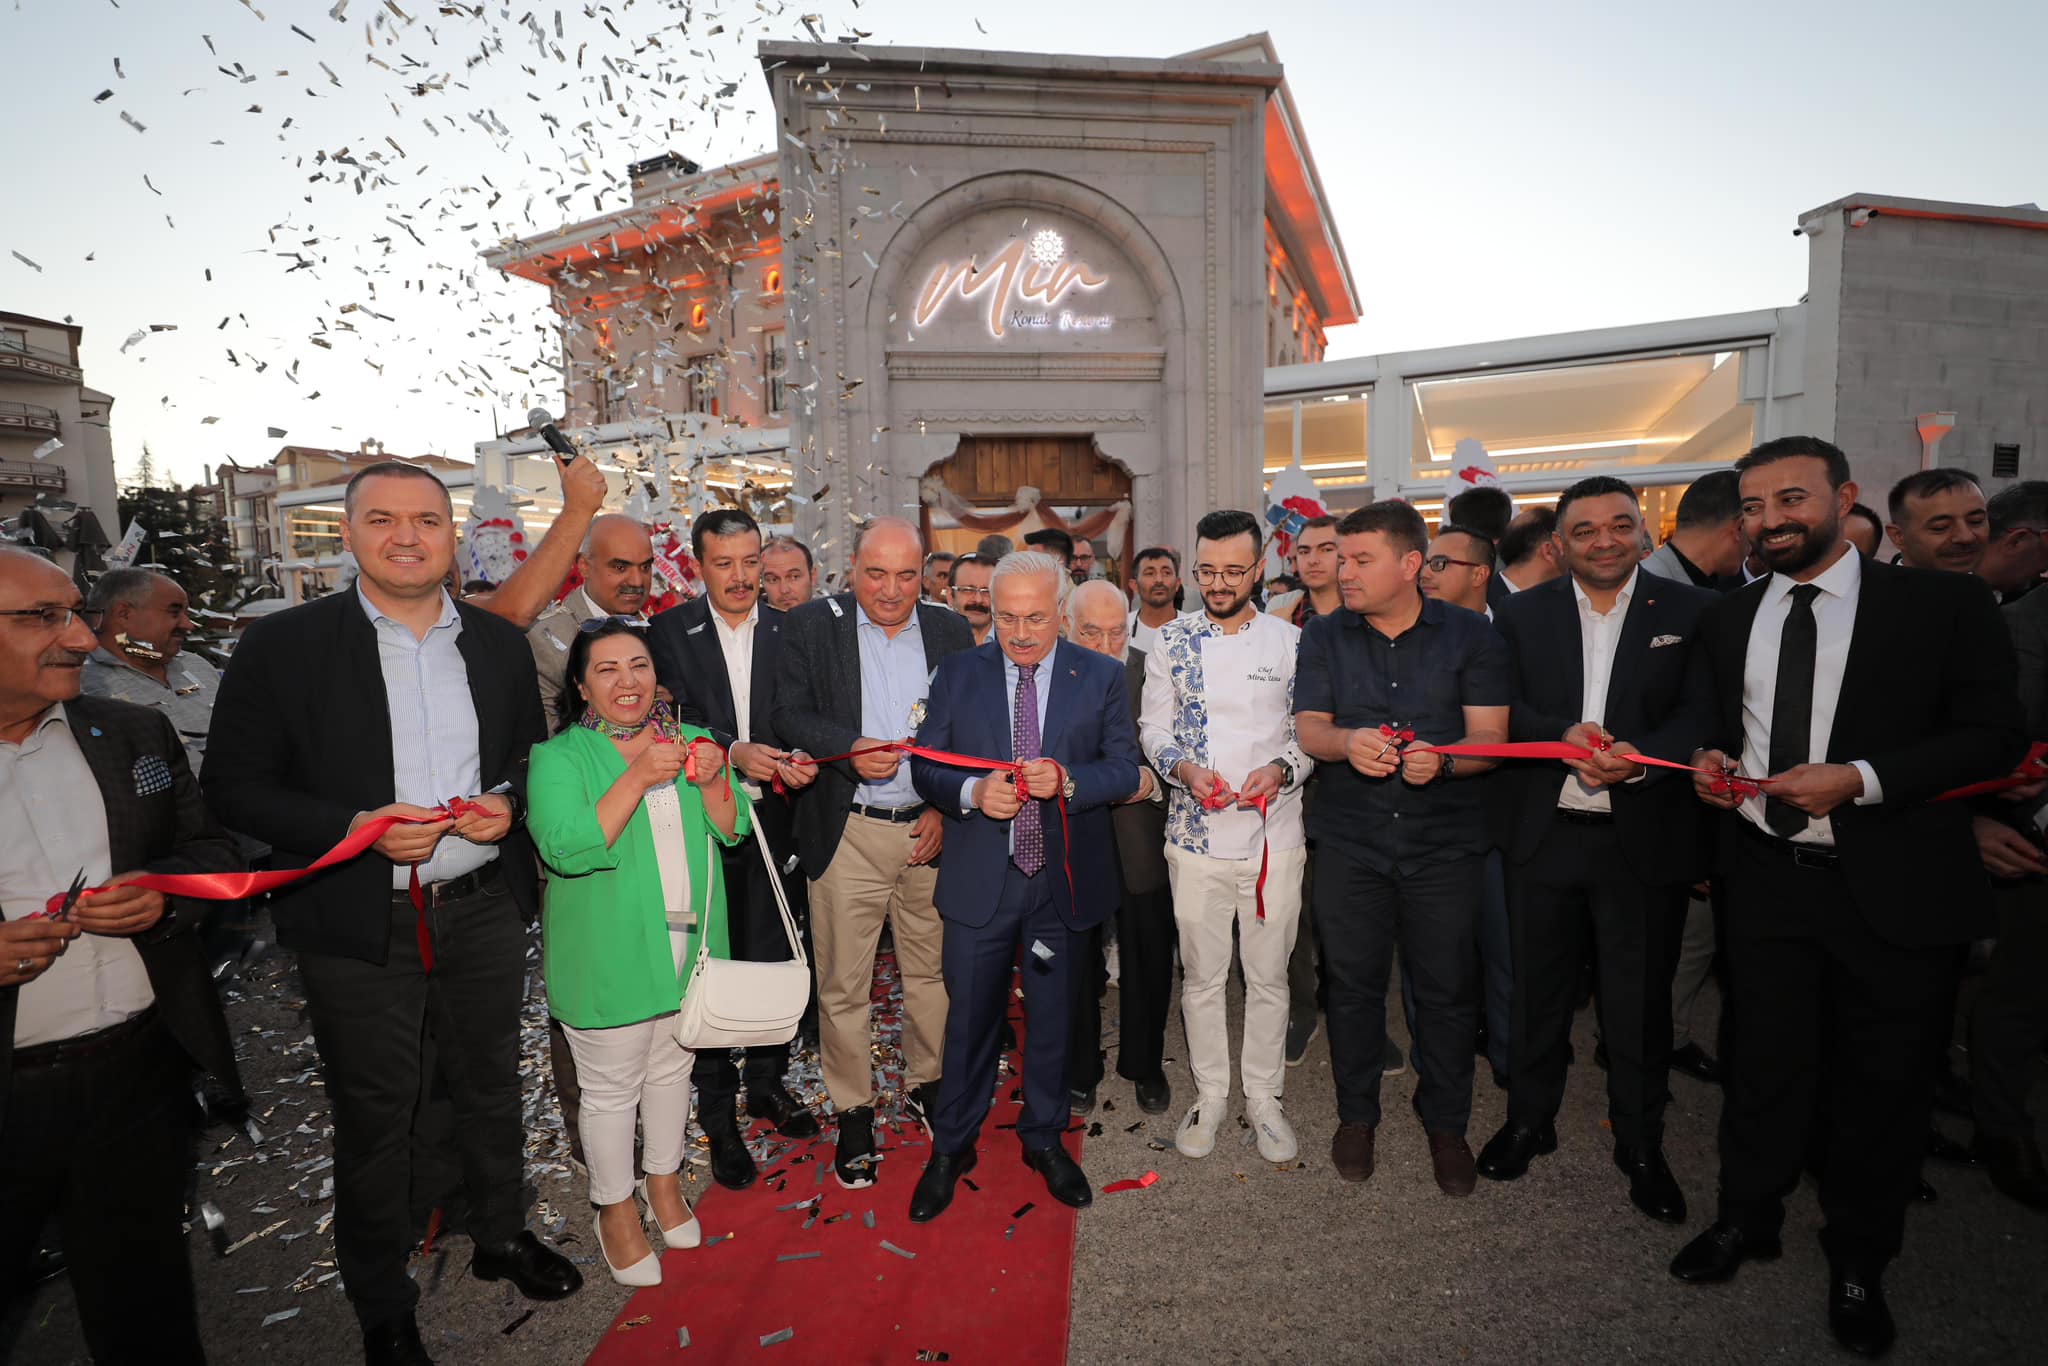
[1351, 1151]
[1456, 1172]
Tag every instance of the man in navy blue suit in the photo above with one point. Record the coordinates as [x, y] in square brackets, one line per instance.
[1015, 874]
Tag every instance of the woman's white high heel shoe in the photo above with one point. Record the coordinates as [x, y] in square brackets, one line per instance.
[689, 1233]
[646, 1271]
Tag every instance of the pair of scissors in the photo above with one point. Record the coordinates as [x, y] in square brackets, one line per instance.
[71, 895]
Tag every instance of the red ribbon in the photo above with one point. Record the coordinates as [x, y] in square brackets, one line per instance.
[236, 886]
[1221, 796]
[952, 760]
[2032, 769]
[1145, 1182]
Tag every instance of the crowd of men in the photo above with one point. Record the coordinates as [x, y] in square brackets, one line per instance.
[1227, 776]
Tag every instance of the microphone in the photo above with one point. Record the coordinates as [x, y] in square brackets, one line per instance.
[550, 433]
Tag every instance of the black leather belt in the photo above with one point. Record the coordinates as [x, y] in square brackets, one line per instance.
[454, 888]
[902, 815]
[1572, 815]
[84, 1045]
[1802, 855]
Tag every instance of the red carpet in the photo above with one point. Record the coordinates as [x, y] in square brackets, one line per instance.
[986, 1282]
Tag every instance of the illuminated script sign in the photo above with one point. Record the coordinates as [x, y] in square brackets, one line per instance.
[1023, 283]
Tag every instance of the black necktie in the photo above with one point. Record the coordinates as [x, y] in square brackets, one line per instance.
[1792, 706]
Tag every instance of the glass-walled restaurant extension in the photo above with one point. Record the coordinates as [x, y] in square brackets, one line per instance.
[1657, 405]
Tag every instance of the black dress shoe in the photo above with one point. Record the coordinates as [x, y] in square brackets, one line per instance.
[1508, 1153]
[935, 1187]
[1857, 1312]
[2014, 1165]
[1714, 1255]
[1063, 1176]
[1651, 1186]
[1154, 1096]
[1696, 1063]
[395, 1342]
[1942, 1148]
[784, 1113]
[732, 1165]
[540, 1272]
[1081, 1103]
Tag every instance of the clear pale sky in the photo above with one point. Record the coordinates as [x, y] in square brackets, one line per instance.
[1496, 169]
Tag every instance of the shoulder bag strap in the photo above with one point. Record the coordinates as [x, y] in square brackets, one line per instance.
[796, 945]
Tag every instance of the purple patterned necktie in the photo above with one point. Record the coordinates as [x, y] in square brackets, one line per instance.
[1027, 836]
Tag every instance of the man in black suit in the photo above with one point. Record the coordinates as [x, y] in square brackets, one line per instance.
[855, 673]
[389, 699]
[104, 1013]
[1605, 851]
[717, 655]
[1146, 935]
[1026, 876]
[1861, 692]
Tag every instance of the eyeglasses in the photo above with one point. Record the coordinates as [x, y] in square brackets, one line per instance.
[1231, 575]
[599, 623]
[1010, 621]
[1116, 635]
[60, 618]
[959, 591]
[1437, 564]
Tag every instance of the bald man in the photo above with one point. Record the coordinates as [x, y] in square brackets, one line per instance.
[854, 673]
[617, 564]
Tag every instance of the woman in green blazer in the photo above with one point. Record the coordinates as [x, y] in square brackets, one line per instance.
[632, 884]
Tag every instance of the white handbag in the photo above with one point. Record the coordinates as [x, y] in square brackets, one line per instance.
[732, 1003]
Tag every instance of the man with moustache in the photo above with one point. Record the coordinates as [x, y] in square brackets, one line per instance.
[1218, 726]
[142, 658]
[1145, 932]
[414, 698]
[1156, 571]
[1861, 692]
[1601, 856]
[1081, 567]
[855, 675]
[717, 655]
[617, 564]
[1024, 875]
[1938, 520]
[1399, 830]
[938, 576]
[104, 1011]
[968, 594]
[789, 576]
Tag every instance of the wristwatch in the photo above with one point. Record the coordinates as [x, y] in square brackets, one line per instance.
[1067, 786]
[1450, 766]
[1286, 770]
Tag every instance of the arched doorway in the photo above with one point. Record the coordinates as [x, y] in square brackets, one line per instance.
[1068, 472]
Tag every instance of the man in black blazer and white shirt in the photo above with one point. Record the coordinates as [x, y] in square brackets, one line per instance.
[1861, 692]
[103, 1013]
[716, 655]
[856, 672]
[1606, 848]
[389, 698]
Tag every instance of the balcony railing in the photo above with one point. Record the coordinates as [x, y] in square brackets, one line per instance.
[35, 363]
[31, 474]
[27, 419]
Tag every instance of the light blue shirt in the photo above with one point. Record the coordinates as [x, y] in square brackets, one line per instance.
[434, 746]
[1041, 686]
[893, 680]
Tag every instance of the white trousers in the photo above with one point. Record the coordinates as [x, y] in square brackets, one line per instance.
[1210, 895]
[631, 1069]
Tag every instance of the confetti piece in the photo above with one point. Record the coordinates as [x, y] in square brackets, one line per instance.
[1142, 1183]
[47, 449]
[1040, 951]
[779, 1335]
[682, 1337]
[279, 1317]
[930, 1354]
[1024, 1209]
[798, 1256]
[868, 1219]
[509, 1329]
[888, 1246]
[25, 261]
[630, 1324]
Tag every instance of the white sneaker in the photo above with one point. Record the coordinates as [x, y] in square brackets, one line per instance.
[1196, 1136]
[1269, 1125]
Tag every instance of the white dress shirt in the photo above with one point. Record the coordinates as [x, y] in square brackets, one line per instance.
[736, 643]
[1599, 633]
[435, 749]
[1834, 617]
[56, 824]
